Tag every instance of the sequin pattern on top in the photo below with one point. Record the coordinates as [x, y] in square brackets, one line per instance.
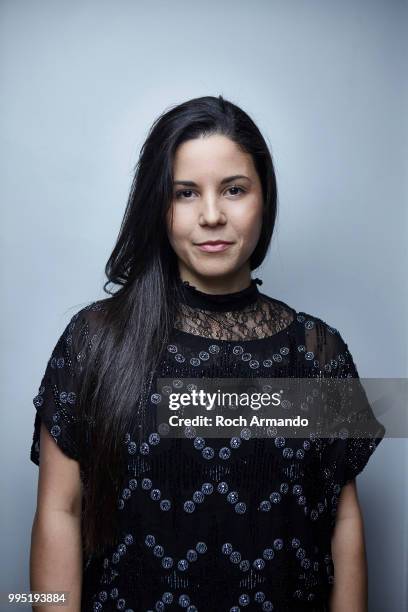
[229, 524]
[57, 398]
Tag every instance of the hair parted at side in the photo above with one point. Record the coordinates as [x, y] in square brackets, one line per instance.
[132, 326]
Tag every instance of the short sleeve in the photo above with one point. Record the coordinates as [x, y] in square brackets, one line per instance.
[57, 398]
[366, 431]
[363, 431]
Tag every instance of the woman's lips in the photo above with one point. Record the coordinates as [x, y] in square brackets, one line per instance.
[214, 248]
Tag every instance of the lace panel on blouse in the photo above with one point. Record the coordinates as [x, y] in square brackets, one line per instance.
[260, 319]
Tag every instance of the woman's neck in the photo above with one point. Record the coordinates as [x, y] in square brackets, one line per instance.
[221, 302]
[217, 285]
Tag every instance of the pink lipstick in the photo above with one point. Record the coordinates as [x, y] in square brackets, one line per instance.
[214, 246]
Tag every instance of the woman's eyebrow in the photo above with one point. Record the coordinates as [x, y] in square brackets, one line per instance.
[227, 179]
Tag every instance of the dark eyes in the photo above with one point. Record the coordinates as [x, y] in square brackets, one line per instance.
[178, 194]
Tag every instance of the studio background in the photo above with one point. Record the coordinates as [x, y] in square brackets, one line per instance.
[81, 83]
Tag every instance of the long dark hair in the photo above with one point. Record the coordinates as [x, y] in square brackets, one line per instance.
[131, 327]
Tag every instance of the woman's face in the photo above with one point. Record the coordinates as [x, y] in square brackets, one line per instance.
[209, 204]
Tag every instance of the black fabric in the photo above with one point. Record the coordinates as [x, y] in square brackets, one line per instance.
[222, 301]
[217, 524]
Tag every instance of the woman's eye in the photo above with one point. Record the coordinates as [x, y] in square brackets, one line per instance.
[236, 187]
[186, 193]
[183, 191]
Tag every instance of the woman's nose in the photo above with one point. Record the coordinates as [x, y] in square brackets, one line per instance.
[211, 212]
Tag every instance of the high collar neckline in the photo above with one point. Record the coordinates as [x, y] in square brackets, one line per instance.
[237, 300]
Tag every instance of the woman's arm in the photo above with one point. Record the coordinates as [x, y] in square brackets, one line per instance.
[56, 546]
[350, 590]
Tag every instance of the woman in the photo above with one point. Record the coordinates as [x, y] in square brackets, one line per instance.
[131, 517]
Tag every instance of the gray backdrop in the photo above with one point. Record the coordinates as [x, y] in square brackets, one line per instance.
[325, 81]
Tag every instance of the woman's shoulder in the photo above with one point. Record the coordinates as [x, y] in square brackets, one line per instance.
[302, 318]
[90, 315]
[81, 329]
[321, 337]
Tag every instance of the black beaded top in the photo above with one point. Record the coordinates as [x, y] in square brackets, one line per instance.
[218, 524]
